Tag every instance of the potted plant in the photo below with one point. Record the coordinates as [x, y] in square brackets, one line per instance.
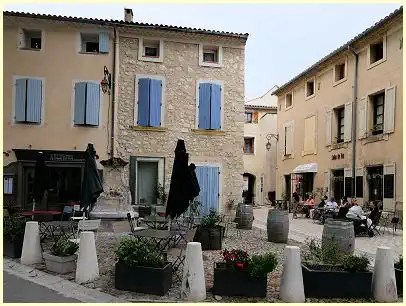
[141, 268]
[62, 258]
[210, 233]
[399, 274]
[241, 275]
[328, 273]
[13, 235]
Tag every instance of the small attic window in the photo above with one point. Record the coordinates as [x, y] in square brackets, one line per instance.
[210, 54]
[30, 39]
[310, 88]
[151, 48]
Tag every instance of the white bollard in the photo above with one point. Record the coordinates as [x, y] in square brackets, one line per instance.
[383, 280]
[31, 253]
[193, 283]
[291, 285]
[87, 267]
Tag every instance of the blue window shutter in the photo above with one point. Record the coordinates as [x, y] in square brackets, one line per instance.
[80, 100]
[20, 99]
[155, 102]
[143, 102]
[215, 107]
[213, 188]
[92, 104]
[34, 100]
[204, 105]
[203, 198]
[104, 42]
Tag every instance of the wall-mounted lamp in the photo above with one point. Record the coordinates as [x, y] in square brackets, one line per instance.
[269, 137]
[106, 82]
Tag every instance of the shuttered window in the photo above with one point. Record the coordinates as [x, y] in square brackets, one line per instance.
[87, 104]
[310, 135]
[95, 42]
[209, 106]
[149, 102]
[288, 138]
[28, 100]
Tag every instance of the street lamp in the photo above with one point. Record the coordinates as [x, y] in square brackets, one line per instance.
[269, 137]
[106, 82]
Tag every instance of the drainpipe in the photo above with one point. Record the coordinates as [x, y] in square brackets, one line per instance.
[113, 92]
[354, 119]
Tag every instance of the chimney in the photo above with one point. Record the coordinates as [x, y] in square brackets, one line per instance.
[128, 15]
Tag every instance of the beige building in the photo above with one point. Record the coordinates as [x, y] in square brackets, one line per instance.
[53, 102]
[180, 83]
[363, 78]
[259, 162]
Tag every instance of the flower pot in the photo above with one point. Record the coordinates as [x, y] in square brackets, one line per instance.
[148, 280]
[230, 282]
[14, 248]
[399, 281]
[210, 238]
[319, 282]
[59, 264]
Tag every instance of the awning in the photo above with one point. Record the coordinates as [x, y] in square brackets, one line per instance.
[306, 168]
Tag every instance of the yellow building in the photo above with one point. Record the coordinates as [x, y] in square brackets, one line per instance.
[362, 78]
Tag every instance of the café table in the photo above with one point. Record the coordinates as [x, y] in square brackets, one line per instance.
[156, 222]
[159, 238]
[57, 229]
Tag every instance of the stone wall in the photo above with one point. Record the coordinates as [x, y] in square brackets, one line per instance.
[181, 70]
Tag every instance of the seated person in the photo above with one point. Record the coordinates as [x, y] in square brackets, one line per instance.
[317, 211]
[375, 211]
[308, 205]
[331, 205]
[356, 213]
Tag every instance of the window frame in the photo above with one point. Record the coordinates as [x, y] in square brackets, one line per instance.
[144, 42]
[218, 64]
[31, 29]
[341, 62]
[246, 119]
[375, 110]
[91, 32]
[291, 105]
[340, 115]
[313, 79]
[383, 59]
[13, 188]
[253, 146]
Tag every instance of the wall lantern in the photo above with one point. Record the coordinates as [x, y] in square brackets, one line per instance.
[106, 82]
[269, 137]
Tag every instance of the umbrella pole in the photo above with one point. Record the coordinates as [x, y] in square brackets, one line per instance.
[33, 209]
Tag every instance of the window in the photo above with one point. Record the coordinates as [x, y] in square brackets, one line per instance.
[309, 135]
[149, 102]
[340, 72]
[151, 50]
[209, 106]
[28, 100]
[376, 51]
[378, 113]
[340, 112]
[248, 117]
[94, 42]
[288, 100]
[30, 39]
[375, 183]
[8, 185]
[310, 88]
[210, 56]
[87, 104]
[288, 139]
[249, 145]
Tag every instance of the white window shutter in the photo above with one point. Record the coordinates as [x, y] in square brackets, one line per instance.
[362, 118]
[288, 135]
[347, 172]
[21, 39]
[291, 144]
[389, 203]
[328, 127]
[348, 122]
[327, 182]
[389, 110]
[360, 172]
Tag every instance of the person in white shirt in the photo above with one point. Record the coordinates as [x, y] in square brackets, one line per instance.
[356, 213]
[331, 205]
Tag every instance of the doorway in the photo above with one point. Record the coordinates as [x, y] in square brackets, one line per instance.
[248, 193]
[338, 184]
[147, 181]
[375, 183]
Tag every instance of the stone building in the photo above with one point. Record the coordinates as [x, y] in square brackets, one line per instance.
[179, 83]
[360, 82]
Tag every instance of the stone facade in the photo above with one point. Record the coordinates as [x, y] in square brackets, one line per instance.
[181, 70]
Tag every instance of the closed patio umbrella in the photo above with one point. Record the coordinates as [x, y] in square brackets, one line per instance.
[92, 185]
[40, 179]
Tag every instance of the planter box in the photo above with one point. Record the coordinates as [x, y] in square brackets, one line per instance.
[156, 281]
[210, 238]
[12, 249]
[320, 283]
[399, 281]
[60, 265]
[229, 282]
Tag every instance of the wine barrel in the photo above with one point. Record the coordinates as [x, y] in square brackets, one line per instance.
[341, 232]
[237, 212]
[246, 216]
[277, 225]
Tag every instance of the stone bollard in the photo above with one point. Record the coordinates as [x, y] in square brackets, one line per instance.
[193, 283]
[291, 285]
[31, 253]
[87, 267]
[383, 280]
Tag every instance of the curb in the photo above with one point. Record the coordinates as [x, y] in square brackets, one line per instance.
[58, 284]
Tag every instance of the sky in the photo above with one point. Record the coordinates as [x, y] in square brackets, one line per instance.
[284, 39]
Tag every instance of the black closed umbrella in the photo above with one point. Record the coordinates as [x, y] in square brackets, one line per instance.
[40, 183]
[92, 184]
[184, 186]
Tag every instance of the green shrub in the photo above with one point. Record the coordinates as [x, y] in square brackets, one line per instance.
[399, 263]
[354, 263]
[326, 253]
[13, 228]
[261, 265]
[64, 247]
[211, 219]
[132, 252]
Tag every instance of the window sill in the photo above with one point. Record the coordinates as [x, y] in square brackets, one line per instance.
[148, 128]
[376, 63]
[151, 59]
[212, 65]
[310, 97]
[375, 138]
[27, 123]
[86, 126]
[339, 81]
[92, 53]
[288, 108]
[30, 49]
[337, 146]
[308, 153]
[249, 154]
[209, 132]
[289, 156]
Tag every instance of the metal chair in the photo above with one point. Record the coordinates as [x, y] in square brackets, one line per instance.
[87, 225]
[67, 211]
[375, 222]
[134, 224]
[77, 209]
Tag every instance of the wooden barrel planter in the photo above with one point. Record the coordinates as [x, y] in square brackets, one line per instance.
[211, 238]
[246, 216]
[278, 225]
[237, 212]
[342, 233]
